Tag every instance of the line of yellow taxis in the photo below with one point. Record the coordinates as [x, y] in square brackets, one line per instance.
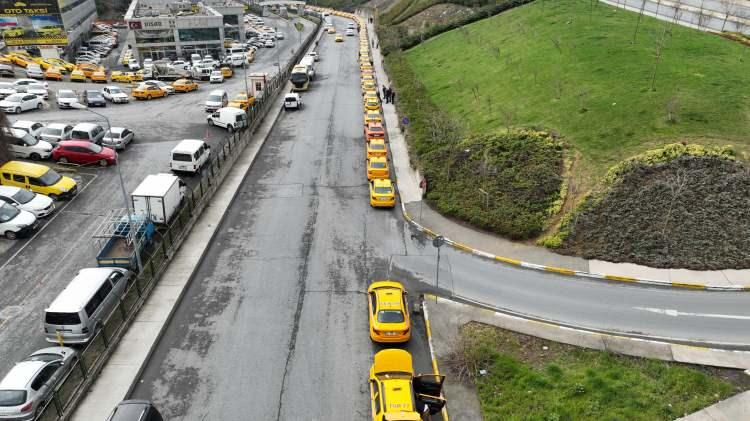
[397, 393]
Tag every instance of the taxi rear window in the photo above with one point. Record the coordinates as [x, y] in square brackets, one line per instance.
[390, 316]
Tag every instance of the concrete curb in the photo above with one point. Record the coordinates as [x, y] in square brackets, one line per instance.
[435, 369]
[570, 272]
[619, 344]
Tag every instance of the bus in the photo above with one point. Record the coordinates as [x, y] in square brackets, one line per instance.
[300, 78]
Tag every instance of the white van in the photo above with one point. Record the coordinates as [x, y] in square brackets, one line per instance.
[195, 58]
[80, 309]
[189, 155]
[216, 99]
[229, 117]
[87, 131]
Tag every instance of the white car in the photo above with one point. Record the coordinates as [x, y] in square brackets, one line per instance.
[22, 84]
[38, 204]
[55, 132]
[279, 35]
[269, 44]
[34, 72]
[147, 63]
[27, 146]
[292, 101]
[115, 94]
[18, 103]
[31, 127]
[350, 32]
[216, 77]
[118, 138]
[167, 88]
[314, 55]
[7, 88]
[133, 64]
[66, 98]
[38, 89]
[16, 223]
[208, 62]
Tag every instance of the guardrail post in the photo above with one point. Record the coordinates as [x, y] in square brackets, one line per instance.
[100, 330]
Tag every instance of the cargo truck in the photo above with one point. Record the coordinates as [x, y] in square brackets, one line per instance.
[158, 197]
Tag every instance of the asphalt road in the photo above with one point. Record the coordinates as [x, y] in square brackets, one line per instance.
[34, 270]
[274, 324]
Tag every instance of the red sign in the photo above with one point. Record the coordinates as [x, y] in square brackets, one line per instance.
[135, 25]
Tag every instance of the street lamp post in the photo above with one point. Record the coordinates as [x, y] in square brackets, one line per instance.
[80, 106]
[438, 242]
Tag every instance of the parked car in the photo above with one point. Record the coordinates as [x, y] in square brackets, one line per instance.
[133, 65]
[6, 70]
[18, 103]
[135, 410]
[7, 88]
[66, 98]
[31, 127]
[27, 146]
[31, 382]
[15, 223]
[115, 95]
[91, 132]
[94, 98]
[216, 77]
[118, 137]
[269, 43]
[84, 153]
[26, 200]
[55, 132]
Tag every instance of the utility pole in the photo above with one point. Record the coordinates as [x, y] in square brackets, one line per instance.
[438, 242]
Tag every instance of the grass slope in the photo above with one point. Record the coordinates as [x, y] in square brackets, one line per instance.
[534, 379]
[573, 68]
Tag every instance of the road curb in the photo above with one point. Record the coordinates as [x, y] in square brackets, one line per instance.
[571, 272]
[435, 369]
[655, 348]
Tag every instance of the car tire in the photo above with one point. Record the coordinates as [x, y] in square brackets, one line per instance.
[39, 106]
[62, 160]
[18, 110]
[230, 128]
[102, 162]
[10, 235]
[52, 196]
[210, 122]
[35, 157]
[148, 97]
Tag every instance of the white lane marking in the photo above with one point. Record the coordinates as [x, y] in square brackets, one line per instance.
[675, 313]
[58, 212]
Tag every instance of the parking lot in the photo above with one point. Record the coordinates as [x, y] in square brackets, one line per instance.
[36, 269]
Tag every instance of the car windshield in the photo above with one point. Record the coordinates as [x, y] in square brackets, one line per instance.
[49, 178]
[390, 316]
[52, 131]
[12, 397]
[376, 129]
[214, 98]
[66, 94]
[115, 90]
[378, 146]
[30, 140]
[377, 164]
[23, 196]
[7, 212]
[93, 94]
[300, 77]
[383, 190]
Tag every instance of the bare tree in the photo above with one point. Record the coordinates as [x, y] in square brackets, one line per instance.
[638, 22]
[703, 17]
[675, 184]
[661, 43]
[509, 115]
[673, 109]
[728, 6]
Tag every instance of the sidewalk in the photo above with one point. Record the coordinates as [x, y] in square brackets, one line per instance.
[489, 245]
[735, 408]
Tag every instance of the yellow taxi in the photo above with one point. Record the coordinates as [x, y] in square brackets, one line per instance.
[21, 174]
[53, 73]
[118, 76]
[365, 67]
[184, 85]
[227, 72]
[331, 30]
[148, 92]
[100, 75]
[5, 59]
[372, 104]
[368, 76]
[376, 147]
[377, 167]
[20, 59]
[88, 68]
[368, 85]
[77, 75]
[372, 117]
[339, 38]
[371, 94]
[250, 56]
[389, 312]
[394, 388]
[241, 101]
[67, 66]
[137, 76]
[126, 59]
[42, 62]
[382, 194]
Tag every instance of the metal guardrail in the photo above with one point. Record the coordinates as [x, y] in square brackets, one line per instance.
[71, 389]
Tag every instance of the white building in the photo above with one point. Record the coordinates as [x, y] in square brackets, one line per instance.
[167, 29]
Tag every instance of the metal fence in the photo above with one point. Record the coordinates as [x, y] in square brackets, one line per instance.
[70, 389]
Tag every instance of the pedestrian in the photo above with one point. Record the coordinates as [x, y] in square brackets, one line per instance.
[385, 92]
[377, 44]
[373, 43]
[378, 94]
[393, 97]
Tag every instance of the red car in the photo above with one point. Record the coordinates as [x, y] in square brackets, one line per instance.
[374, 130]
[83, 152]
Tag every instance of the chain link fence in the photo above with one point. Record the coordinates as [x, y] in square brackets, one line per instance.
[70, 389]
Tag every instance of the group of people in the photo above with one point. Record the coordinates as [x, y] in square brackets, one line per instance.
[389, 95]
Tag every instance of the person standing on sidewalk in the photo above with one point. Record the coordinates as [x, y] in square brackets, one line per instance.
[385, 92]
[392, 99]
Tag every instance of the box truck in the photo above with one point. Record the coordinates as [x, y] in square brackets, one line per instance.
[158, 197]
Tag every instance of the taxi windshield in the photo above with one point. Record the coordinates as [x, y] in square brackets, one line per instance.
[390, 316]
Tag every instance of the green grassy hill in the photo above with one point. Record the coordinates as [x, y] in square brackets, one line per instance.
[573, 68]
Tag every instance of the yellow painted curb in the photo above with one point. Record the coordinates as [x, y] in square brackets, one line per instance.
[507, 260]
[619, 278]
[562, 271]
[691, 286]
[462, 247]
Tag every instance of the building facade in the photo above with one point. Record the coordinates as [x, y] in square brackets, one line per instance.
[175, 30]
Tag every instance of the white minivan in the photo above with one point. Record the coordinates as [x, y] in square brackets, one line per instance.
[189, 155]
[228, 117]
[79, 311]
[216, 99]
